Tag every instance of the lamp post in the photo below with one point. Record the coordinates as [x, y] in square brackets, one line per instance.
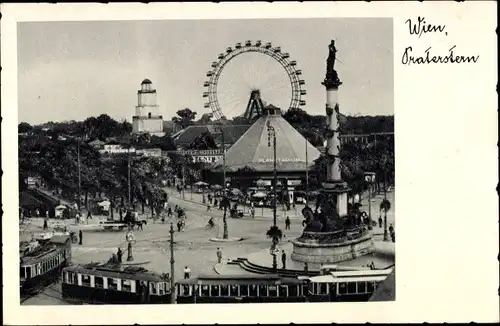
[79, 175]
[172, 262]
[386, 207]
[307, 175]
[225, 234]
[370, 178]
[129, 237]
[271, 133]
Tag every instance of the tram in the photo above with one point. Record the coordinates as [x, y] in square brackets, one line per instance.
[241, 289]
[111, 283]
[346, 286]
[41, 261]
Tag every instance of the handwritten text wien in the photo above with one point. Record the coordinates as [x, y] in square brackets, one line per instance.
[420, 27]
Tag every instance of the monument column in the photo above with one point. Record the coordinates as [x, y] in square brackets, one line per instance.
[334, 187]
[330, 236]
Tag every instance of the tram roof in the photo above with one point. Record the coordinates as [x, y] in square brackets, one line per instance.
[243, 279]
[333, 279]
[42, 254]
[144, 275]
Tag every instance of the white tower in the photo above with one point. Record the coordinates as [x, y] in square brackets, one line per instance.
[147, 117]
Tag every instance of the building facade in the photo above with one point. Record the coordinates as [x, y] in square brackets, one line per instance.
[147, 117]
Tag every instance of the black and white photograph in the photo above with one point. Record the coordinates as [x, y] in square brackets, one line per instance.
[244, 163]
[261, 169]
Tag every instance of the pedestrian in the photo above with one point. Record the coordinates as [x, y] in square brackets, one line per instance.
[119, 255]
[306, 268]
[380, 221]
[283, 258]
[391, 229]
[293, 205]
[47, 214]
[89, 216]
[80, 235]
[208, 207]
[178, 226]
[287, 223]
[187, 273]
[219, 255]
[169, 211]
[45, 224]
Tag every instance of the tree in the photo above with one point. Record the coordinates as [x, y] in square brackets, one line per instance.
[24, 127]
[185, 118]
[204, 141]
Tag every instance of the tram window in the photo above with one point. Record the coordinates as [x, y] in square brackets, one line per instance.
[152, 287]
[85, 280]
[273, 290]
[370, 287]
[161, 288]
[233, 290]
[113, 284]
[205, 291]
[263, 291]
[351, 287]
[283, 290]
[293, 291]
[361, 287]
[342, 288]
[66, 277]
[22, 272]
[99, 282]
[323, 288]
[332, 287]
[74, 278]
[214, 291]
[185, 290]
[126, 285]
[253, 290]
[224, 290]
[244, 290]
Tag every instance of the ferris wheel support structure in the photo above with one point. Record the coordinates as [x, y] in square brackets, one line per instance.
[297, 84]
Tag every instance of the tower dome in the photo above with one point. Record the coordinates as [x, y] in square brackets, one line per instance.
[146, 81]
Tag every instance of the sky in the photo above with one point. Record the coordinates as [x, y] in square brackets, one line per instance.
[73, 70]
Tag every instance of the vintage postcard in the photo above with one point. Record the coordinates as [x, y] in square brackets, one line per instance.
[262, 154]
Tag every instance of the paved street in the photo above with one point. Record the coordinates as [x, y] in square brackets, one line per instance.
[192, 246]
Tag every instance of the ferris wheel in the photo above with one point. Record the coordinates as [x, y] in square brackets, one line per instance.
[248, 71]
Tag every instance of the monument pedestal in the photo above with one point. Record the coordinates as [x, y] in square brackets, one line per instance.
[327, 248]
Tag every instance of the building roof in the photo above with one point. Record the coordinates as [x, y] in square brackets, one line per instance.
[146, 81]
[232, 133]
[252, 148]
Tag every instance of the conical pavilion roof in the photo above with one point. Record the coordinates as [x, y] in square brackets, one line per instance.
[252, 148]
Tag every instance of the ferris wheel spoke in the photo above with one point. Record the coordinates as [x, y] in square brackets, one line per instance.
[236, 105]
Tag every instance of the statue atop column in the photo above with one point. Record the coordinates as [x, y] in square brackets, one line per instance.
[331, 78]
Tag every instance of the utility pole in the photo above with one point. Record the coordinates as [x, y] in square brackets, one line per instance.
[172, 263]
[386, 237]
[271, 133]
[225, 233]
[129, 186]
[79, 174]
[307, 176]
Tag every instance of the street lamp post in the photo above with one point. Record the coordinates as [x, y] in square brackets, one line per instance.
[307, 175]
[172, 263]
[79, 176]
[130, 238]
[386, 237]
[271, 133]
[225, 234]
[370, 178]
